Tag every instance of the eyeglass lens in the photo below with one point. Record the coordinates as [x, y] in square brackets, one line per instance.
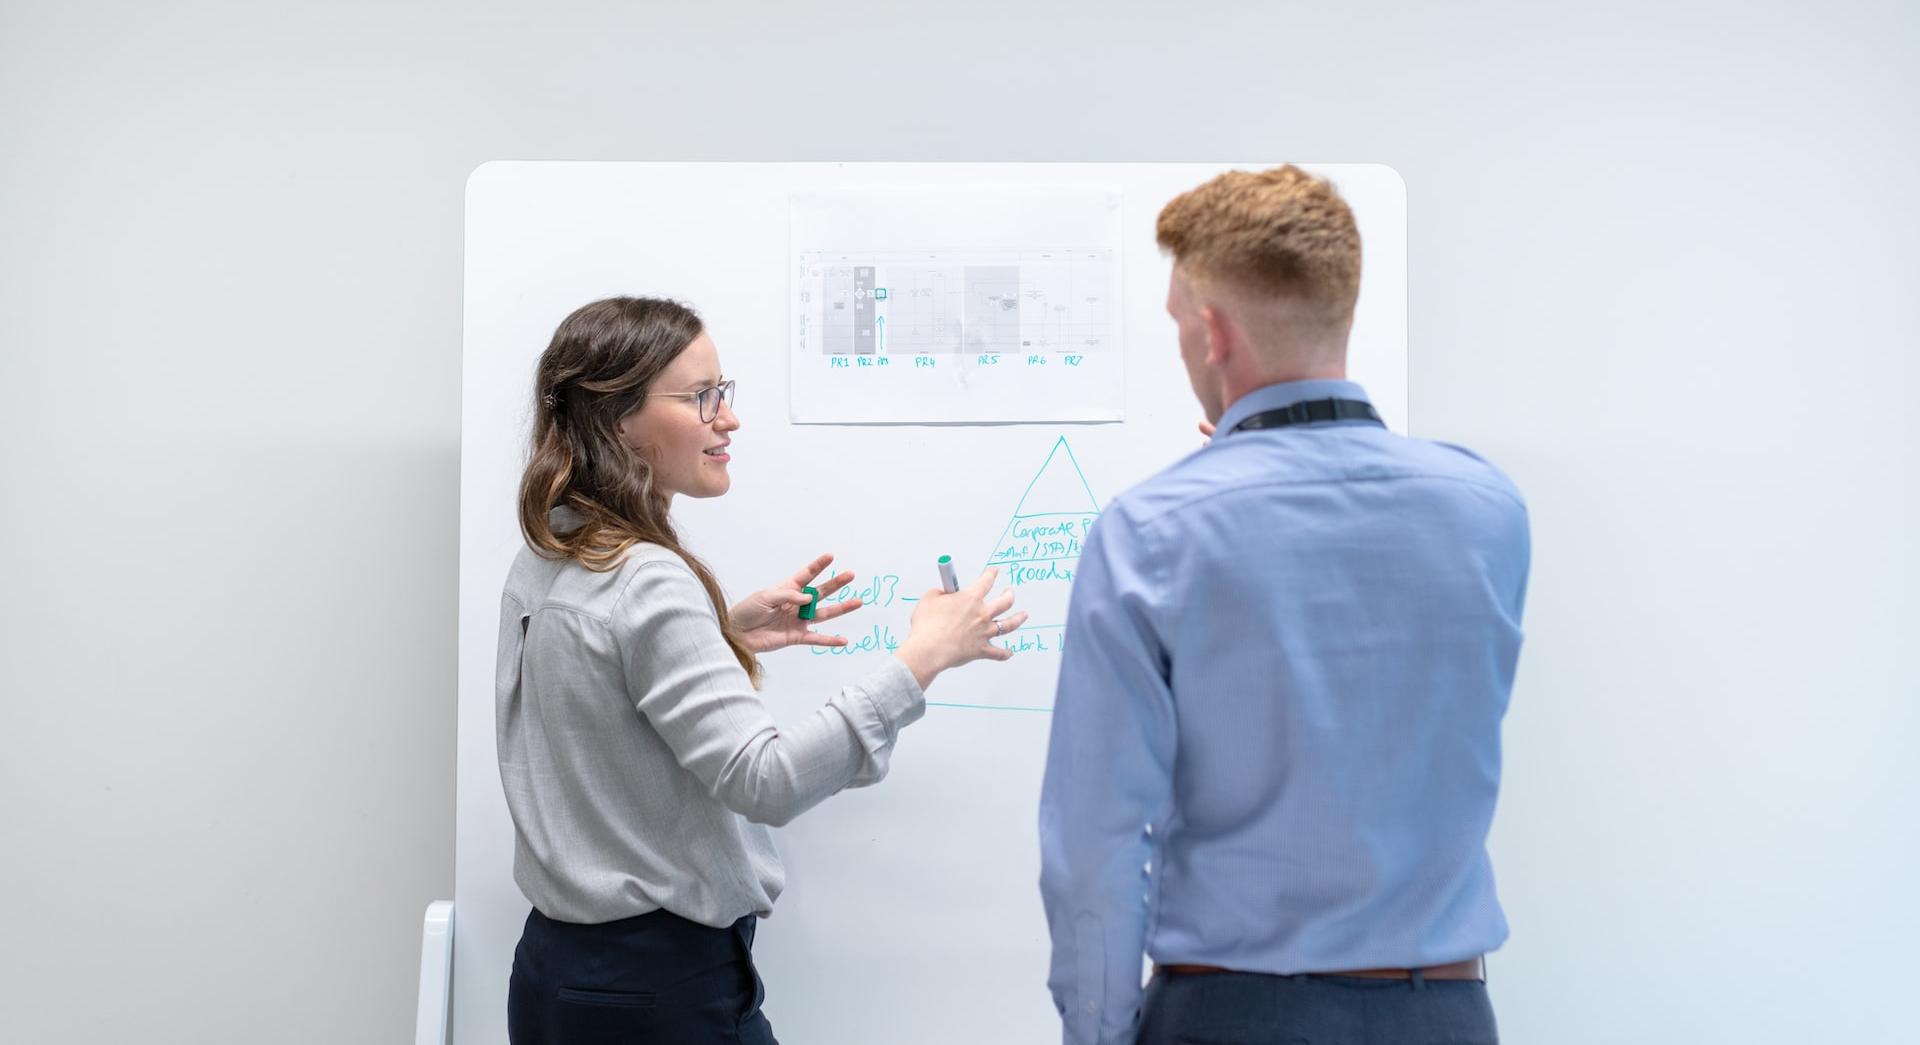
[711, 398]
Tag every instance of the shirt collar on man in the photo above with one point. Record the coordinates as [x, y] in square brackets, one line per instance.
[1285, 394]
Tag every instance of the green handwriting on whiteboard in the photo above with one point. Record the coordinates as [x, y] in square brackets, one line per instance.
[1038, 554]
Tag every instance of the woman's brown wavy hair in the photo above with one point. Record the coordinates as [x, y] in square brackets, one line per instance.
[598, 368]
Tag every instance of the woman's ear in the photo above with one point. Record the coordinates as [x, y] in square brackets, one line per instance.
[628, 431]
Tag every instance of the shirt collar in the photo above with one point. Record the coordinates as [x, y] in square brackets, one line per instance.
[1285, 394]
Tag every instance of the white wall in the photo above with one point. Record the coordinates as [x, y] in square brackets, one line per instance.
[1662, 269]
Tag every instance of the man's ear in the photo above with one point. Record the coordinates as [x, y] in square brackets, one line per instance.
[1220, 334]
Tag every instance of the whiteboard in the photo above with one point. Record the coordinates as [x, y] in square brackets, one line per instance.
[913, 903]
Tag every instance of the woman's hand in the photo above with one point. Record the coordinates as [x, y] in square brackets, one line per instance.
[770, 620]
[951, 630]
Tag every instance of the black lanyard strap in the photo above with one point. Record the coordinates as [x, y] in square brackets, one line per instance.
[1313, 411]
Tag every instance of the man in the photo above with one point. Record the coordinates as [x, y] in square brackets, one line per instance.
[1276, 743]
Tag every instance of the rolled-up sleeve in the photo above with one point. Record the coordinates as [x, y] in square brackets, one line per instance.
[684, 678]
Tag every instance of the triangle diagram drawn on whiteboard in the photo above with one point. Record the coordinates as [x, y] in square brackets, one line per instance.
[1039, 549]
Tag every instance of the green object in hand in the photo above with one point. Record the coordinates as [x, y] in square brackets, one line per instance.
[812, 607]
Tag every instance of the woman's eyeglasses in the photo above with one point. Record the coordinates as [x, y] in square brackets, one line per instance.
[707, 399]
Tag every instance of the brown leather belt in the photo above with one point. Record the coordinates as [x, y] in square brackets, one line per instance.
[1468, 969]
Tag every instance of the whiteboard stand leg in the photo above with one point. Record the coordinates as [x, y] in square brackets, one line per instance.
[436, 975]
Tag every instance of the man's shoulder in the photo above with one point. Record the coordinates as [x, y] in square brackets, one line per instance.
[1196, 479]
[1248, 466]
[1200, 474]
[1456, 462]
[1222, 466]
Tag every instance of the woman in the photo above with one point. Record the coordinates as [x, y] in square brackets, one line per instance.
[640, 768]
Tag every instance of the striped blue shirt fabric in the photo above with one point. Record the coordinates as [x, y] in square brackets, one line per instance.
[1276, 740]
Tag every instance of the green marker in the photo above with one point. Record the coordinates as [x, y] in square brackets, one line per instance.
[947, 581]
[812, 607]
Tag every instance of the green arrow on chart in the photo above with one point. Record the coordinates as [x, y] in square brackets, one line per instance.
[882, 320]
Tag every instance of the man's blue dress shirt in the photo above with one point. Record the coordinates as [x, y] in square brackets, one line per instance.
[1276, 742]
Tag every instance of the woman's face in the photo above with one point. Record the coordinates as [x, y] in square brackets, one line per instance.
[688, 455]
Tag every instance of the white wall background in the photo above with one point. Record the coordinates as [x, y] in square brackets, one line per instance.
[1662, 269]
